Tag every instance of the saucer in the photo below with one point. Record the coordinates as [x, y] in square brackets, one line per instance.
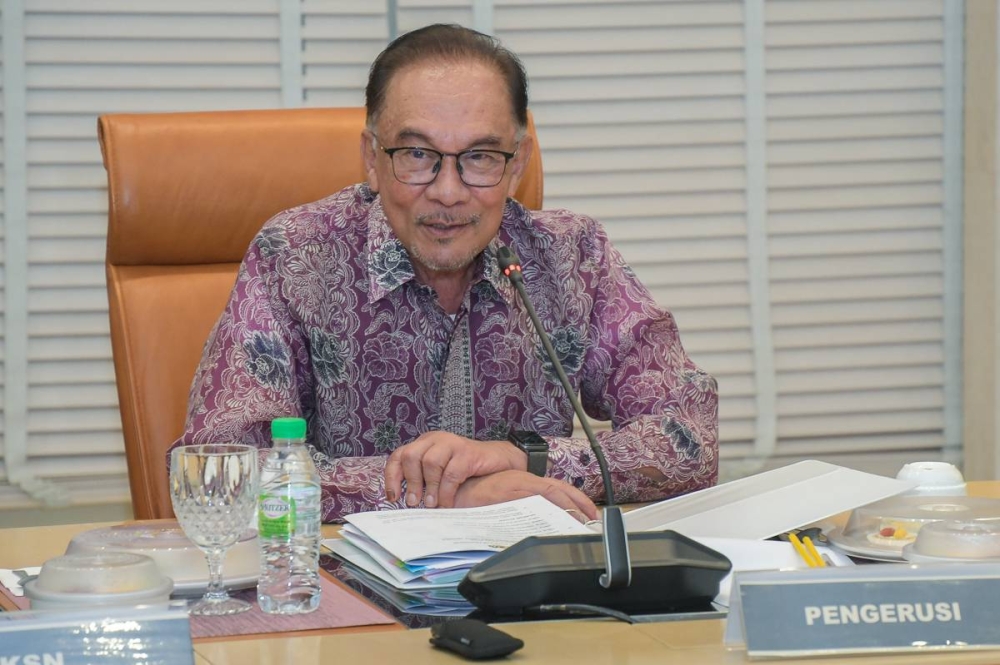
[862, 547]
[197, 587]
[916, 557]
[177, 557]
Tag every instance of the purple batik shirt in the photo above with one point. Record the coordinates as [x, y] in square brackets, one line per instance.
[327, 321]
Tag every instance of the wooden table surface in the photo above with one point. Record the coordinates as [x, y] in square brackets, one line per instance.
[575, 642]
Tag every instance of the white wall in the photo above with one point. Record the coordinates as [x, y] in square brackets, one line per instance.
[982, 242]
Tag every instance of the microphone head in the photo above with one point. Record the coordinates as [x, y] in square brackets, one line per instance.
[509, 264]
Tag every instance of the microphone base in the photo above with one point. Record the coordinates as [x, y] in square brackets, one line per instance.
[670, 573]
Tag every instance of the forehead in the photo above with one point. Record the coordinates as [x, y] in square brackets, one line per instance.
[447, 103]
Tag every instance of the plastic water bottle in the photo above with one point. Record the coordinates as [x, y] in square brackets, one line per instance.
[288, 523]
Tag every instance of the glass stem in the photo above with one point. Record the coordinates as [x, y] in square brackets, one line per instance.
[216, 590]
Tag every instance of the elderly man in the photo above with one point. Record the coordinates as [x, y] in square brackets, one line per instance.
[379, 314]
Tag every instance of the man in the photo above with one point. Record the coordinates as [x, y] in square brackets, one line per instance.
[379, 314]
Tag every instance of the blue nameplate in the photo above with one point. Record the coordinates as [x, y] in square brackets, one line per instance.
[151, 635]
[868, 609]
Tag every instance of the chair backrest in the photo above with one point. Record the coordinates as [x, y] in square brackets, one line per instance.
[187, 192]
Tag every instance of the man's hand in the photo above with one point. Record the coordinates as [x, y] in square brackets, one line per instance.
[436, 463]
[510, 485]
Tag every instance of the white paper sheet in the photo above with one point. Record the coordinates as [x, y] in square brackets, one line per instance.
[418, 532]
[766, 504]
[761, 555]
[365, 562]
[390, 568]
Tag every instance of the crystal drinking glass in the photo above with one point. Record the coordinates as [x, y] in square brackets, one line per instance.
[213, 489]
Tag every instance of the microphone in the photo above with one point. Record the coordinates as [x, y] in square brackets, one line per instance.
[672, 571]
[618, 570]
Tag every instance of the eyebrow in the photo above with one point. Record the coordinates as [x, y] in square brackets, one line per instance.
[420, 139]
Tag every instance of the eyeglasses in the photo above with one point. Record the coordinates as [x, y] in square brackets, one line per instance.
[413, 165]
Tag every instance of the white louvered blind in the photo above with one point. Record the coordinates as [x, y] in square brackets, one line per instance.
[88, 57]
[641, 108]
[855, 173]
[413, 14]
[84, 58]
[340, 38]
[640, 113]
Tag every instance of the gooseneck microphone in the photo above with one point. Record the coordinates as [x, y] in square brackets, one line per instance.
[618, 572]
[650, 572]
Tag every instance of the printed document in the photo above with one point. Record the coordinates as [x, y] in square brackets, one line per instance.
[416, 533]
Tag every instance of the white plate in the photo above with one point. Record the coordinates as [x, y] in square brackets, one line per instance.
[863, 548]
[917, 557]
[198, 587]
[175, 555]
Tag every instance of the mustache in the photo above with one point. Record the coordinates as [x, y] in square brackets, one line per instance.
[446, 218]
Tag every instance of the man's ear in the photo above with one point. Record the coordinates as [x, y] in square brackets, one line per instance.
[519, 164]
[369, 153]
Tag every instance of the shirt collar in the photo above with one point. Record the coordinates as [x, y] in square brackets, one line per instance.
[389, 265]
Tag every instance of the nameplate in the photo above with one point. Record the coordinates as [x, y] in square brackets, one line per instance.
[868, 609]
[148, 635]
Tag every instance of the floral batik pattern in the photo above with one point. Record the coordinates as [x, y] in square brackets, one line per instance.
[328, 321]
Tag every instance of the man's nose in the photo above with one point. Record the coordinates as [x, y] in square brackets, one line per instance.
[448, 187]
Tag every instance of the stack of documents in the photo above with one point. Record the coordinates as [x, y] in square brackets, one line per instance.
[422, 550]
[430, 600]
[418, 553]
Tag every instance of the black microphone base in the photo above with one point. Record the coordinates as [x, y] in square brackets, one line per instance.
[670, 573]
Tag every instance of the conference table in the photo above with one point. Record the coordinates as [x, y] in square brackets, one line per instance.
[575, 642]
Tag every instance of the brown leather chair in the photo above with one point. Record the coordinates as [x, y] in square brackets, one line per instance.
[187, 192]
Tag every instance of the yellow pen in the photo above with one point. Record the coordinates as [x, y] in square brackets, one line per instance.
[800, 548]
[807, 541]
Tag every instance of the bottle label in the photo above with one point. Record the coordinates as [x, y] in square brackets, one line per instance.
[277, 516]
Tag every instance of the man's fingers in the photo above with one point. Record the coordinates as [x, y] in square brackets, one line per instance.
[570, 498]
[558, 496]
[413, 472]
[583, 503]
[434, 464]
[404, 464]
[454, 475]
[393, 478]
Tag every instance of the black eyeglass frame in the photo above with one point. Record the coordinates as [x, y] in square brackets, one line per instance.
[507, 156]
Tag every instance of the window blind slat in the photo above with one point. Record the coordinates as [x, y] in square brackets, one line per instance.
[842, 56]
[138, 77]
[851, 10]
[643, 39]
[150, 51]
[872, 378]
[883, 355]
[824, 33]
[878, 126]
[556, 66]
[869, 423]
[77, 7]
[858, 334]
[621, 15]
[874, 310]
[877, 173]
[177, 26]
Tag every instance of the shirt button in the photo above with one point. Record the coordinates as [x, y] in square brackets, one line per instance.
[584, 458]
[578, 483]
